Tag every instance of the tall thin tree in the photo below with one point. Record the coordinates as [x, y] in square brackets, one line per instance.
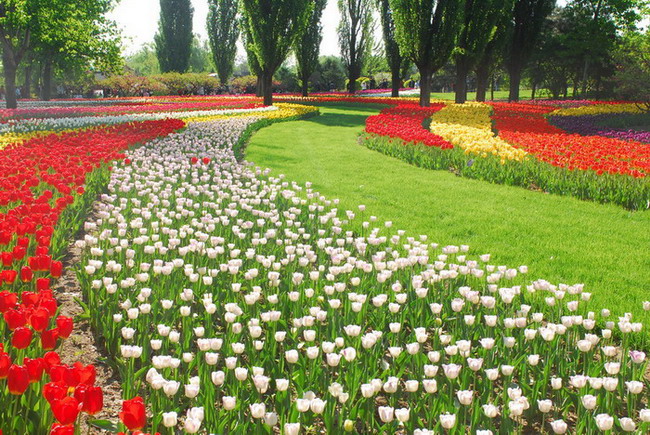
[355, 37]
[273, 28]
[223, 31]
[174, 37]
[427, 31]
[307, 46]
[396, 62]
[528, 19]
[251, 58]
[492, 55]
[479, 24]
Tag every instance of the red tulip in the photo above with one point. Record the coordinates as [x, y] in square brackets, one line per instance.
[8, 300]
[133, 413]
[42, 283]
[9, 276]
[65, 325]
[86, 374]
[17, 379]
[206, 160]
[56, 269]
[40, 319]
[49, 339]
[26, 274]
[53, 391]
[65, 410]
[51, 359]
[22, 337]
[5, 364]
[35, 368]
[7, 259]
[93, 400]
[15, 319]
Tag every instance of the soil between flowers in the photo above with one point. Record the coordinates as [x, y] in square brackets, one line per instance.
[82, 344]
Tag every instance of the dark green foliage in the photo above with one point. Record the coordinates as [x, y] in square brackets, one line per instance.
[479, 26]
[307, 45]
[528, 20]
[427, 31]
[355, 37]
[271, 28]
[174, 37]
[223, 31]
[396, 62]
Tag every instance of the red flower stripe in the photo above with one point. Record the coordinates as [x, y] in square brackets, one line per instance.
[526, 127]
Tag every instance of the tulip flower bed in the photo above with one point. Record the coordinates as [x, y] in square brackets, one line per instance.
[469, 127]
[56, 124]
[531, 131]
[405, 121]
[235, 302]
[152, 106]
[591, 125]
[42, 187]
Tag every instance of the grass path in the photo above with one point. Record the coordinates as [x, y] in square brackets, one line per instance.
[561, 239]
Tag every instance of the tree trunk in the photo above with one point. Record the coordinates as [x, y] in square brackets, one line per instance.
[28, 80]
[47, 79]
[492, 85]
[305, 86]
[482, 80]
[10, 79]
[267, 78]
[461, 82]
[396, 82]
[532, 96]
[515, 82]
[352, 82]
[425, 87]
[259, 87]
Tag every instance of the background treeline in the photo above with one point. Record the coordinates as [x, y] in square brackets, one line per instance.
[576, 49]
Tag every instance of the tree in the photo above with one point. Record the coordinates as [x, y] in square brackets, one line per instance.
[273, 26]
[74, 38]
[632, 76]
[596, 25]
[427, 31]
[17, 22]
[144, 61]
[71, 33]
[355, 37]
[329, 74]
[479, 24]
[396, 62]
[528, 20]
[223, 30]
[174, 37]
[492, 55]
[307, 46]
[251, 57]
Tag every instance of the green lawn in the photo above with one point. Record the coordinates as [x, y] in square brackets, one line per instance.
[561, 239]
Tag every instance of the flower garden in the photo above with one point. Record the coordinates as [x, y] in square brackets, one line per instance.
[227, 299]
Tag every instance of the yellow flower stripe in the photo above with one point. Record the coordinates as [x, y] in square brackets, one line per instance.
[598, 109]
[19, 138]
[285, 110]
[469, 127]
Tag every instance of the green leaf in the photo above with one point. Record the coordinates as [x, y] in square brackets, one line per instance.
[104, 425]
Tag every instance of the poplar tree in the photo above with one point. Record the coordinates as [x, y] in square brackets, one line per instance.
[396, 62]
[223, 31]
[307, 46]
[355, 37]
[174, 37]
[479, 25]
[528, 19]
[273, 28]
[427, 31]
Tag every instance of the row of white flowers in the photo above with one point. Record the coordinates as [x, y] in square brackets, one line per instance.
[244, 301]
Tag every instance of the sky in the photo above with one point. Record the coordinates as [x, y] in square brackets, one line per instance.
[138, 20]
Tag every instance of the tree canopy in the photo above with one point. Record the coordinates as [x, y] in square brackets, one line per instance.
[223, 31]
[174, 37]
[307, 45]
